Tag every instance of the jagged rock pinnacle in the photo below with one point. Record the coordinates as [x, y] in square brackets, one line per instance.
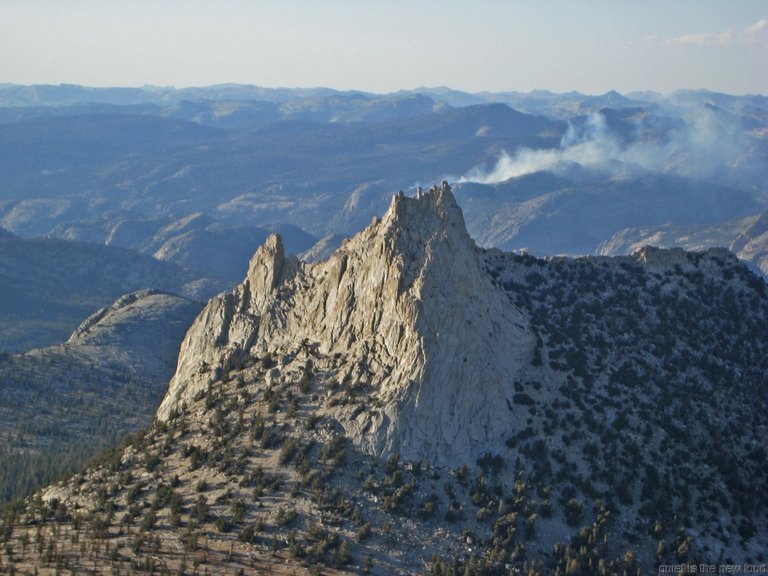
[438, 203]
[407, 307]
[266, 265]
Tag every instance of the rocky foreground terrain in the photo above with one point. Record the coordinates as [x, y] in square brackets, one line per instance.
[415, 404]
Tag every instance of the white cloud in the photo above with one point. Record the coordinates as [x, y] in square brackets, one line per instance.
[721, 39]
[751, 32]
[747, 36]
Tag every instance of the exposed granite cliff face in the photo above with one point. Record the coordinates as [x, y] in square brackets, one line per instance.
[663, 260]
[407, 309]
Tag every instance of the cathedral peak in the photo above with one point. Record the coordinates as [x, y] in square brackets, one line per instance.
[409, 300]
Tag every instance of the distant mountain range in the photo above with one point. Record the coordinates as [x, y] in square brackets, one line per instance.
[109, 164]
[747, 238]
[548, 213]
[196, 242]
[49, 286]
[563, 105]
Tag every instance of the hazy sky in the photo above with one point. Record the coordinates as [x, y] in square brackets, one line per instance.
[586, 45]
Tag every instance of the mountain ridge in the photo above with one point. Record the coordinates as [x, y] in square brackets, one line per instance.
[309, 421]
[48, 286]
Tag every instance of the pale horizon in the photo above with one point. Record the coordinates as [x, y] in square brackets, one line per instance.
[415, 89]
[490, 46]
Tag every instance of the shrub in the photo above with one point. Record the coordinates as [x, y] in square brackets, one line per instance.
[200, 511]
[285, 516]
[574, 511]
[524, 399]
[287, 451]
[364, 533]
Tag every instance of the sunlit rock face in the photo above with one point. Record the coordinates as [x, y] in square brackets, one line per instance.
[405, 307]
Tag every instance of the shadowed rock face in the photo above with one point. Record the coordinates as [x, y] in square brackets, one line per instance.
[405, 306]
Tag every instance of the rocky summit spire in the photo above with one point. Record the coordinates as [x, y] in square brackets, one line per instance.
[404, 308]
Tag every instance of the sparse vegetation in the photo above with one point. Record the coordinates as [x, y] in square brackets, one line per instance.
[608, 460]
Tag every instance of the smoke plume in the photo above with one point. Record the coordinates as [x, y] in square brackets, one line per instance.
[704, 143]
